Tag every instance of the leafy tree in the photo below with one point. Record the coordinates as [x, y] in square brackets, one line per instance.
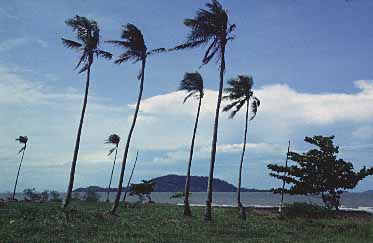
[210, 27]
[318, 171]
[240, 93]
[88, 34]
[55, 196]
[192, 83]
[113, 139]
[136, 51]
[142, 190]
[22, 140]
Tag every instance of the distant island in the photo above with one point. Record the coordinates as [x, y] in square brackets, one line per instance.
[176, 183]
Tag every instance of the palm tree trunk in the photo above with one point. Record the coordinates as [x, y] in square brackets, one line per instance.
[129, 180]
[111, 176]
[207, 216]
[283, 181]
[239, 204]
[187, 211]
[117, 198]
[77, 143]
[19, 168]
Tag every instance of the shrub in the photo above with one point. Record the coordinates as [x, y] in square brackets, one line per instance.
[306, 210]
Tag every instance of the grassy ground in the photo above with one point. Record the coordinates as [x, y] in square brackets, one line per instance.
[84, 222]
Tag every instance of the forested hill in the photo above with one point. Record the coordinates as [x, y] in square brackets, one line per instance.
[176, 183]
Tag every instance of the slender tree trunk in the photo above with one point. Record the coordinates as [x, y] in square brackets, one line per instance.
[207, 216]
[111, 176]
[283, 181]
[187, 211]
[239, 204]
[117, 198]
[19, 168]
[77, 143]
[129, 180]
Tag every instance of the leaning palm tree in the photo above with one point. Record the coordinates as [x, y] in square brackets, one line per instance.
[135, 50]
[129, 180]
[22, 140]
[210, 27]
[113, 139]
[193, 85]
[88, 34]
[240, 93]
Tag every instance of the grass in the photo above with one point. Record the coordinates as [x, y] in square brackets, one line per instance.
[86, 222]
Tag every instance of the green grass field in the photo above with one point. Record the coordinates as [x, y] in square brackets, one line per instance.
[86, 222]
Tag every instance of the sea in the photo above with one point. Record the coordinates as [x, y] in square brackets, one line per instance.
[352, 201]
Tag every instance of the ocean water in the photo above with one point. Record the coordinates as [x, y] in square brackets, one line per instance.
[348, 200]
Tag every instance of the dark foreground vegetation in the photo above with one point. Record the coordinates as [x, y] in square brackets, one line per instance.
[86, 222]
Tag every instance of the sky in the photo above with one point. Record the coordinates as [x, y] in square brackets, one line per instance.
[311, 62]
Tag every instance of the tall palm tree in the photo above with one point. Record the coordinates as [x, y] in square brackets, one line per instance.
[210, 27]
[113, 139]
[135, 50]
[240, 93]
[22, 140]
[193, 85]
[88, 34]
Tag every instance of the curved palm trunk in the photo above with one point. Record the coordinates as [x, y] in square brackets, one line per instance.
[239, 204]
[19, 168]
[187, 211]
[117, 198]
[129, 180]
[77, 143]
[111, 176]
[207, 216]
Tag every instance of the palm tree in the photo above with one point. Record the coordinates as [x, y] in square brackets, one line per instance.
[135, 50]
[88, 33]
[113, 139]
[193, 85]
[22, 140]
[240, 93]
[210, 27]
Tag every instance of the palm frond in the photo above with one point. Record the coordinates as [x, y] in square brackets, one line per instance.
[84, 68]
[71, 44]
[111, 151]
[104, 54]
[189, 45]
[22, 149]
[254, 107]
[156, 51]
[238, 108]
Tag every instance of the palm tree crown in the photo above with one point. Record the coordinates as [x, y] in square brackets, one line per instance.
[208, 27]
[240, 92]
[22, 140]
[192, 83]
[113, 139]
[88, 33]
[134, 44]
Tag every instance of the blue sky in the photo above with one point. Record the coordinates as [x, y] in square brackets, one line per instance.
[311, 62]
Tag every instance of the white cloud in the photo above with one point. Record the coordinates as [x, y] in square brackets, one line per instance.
[282, 103]
[11, 44]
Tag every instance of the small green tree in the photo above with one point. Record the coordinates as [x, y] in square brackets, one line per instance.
[142, 190]
[319, 172]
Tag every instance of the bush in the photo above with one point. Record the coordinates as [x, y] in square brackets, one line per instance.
[306, 210]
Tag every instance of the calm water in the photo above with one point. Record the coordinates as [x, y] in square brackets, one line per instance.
[349, 200]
